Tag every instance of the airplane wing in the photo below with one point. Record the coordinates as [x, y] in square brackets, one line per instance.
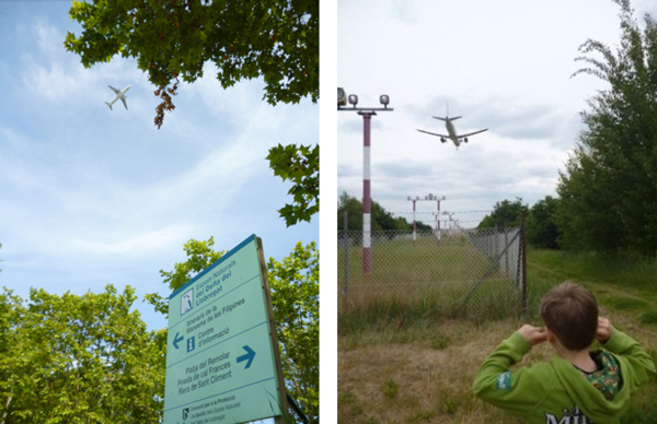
[472, 133]
[436, 134]
[124, 103]
[115, 90]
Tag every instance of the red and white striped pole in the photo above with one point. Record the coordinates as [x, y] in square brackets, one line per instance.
[414, 227]
[367, 114]
[367, 204]
[438, 220]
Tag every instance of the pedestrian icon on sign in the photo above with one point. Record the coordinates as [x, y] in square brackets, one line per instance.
[187, 302]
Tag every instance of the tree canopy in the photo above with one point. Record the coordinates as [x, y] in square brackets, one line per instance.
[78, 359]
[505, 214]
[173, 39]
[381, 218]
[609, 188]
[542, 228]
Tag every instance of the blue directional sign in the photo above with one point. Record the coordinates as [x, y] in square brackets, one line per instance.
[223, 364]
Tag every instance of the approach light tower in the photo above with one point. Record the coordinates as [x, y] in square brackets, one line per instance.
[367, 114]
[430, 197]
[450, 223]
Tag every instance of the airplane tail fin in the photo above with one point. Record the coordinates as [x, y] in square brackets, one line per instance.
[445, 118]
[110, 106]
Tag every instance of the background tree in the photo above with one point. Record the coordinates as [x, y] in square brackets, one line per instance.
[609, 188]
[294, 283]
[172, 39]
[354, 209]
[78, 359]
[295, 298]
[542, 229]
[505, 214]
[381, 218]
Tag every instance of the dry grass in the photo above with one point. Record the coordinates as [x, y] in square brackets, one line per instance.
[434, 385]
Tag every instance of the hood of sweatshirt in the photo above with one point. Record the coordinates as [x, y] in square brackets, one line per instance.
[589, 399]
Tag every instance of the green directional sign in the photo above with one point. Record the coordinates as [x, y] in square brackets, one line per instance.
[223, 364]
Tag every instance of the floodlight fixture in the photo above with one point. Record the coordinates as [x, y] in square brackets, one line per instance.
[342, 97]
[353, 100]
[384, 99]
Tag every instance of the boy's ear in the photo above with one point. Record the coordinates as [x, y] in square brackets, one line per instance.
[550, 335]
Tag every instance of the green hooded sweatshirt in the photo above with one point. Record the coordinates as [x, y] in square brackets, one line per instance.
[556, 392]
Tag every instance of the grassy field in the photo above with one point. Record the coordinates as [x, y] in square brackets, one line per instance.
[400, 365]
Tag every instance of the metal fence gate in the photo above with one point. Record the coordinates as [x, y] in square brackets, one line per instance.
[467, 272]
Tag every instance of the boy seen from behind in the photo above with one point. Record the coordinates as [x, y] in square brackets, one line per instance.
[577, 386]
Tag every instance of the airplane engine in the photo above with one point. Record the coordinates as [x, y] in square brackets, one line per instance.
[442, 140]
[465, 139]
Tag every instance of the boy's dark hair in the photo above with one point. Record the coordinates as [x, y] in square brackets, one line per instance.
[571, 312]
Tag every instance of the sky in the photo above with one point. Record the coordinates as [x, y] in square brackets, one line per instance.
[503, 65]
[90, 196]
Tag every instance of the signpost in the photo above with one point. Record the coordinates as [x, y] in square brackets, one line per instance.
[223, 364]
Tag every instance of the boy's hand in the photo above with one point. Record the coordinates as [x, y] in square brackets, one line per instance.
[604, 330]
[534, 335]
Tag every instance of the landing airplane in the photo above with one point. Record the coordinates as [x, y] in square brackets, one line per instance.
[119, 95]
[451, 132]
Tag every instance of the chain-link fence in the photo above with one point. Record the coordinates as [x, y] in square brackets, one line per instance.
[457, 272]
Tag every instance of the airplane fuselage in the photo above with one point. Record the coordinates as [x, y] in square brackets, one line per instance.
[452, 132]
[120, 95]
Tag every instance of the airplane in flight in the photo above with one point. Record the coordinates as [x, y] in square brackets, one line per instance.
[451, 132]
[119, 95]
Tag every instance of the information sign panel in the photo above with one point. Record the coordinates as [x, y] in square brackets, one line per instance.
[223, 364]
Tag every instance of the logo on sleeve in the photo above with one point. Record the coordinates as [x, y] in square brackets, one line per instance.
[504, 381]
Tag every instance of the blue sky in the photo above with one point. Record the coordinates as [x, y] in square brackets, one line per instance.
[91, 197]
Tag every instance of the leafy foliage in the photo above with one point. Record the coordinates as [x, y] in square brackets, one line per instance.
[171, 39]
[200, 256]
[295, 298]
[505, 214]
[78, 359]
[542, 229]
[609, 188]
[300, 165]
[381, 218]
[294, 283]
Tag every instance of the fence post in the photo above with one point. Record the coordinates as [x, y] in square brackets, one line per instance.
[346, 243]
[523, 271]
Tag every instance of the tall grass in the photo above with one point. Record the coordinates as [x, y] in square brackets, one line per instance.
[625, 269]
